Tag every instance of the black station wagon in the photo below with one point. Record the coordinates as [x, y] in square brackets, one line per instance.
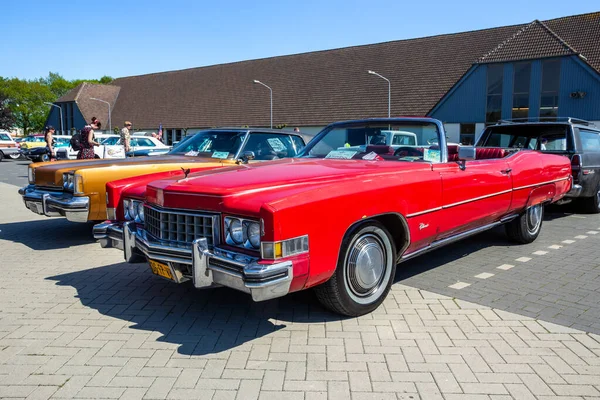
[575, 138]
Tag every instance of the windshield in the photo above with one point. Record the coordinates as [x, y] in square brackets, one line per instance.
[533, 137]
[111, 141]
[215, 144]
[272, 146]
[34, 139]
[398, 140]
[61, 142]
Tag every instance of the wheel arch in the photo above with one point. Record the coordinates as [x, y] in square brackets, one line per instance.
[396, 225]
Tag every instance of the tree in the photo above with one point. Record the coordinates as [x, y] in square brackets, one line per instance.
[26, 98]
[7, 119]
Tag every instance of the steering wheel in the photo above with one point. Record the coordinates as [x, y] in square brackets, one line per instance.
[410, 152]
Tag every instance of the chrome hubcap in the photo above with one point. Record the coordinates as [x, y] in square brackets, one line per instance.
[366, 265]
[534, 218]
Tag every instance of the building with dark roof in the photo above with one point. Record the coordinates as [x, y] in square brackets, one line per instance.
[468, 79]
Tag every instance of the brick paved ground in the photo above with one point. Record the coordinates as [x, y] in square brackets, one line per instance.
[77, 322]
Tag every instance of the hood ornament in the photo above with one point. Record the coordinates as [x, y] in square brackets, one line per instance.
[186, 172]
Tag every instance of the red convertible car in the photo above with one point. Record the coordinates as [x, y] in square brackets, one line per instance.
[342, 215]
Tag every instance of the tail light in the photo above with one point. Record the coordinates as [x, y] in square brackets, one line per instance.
[576, 167]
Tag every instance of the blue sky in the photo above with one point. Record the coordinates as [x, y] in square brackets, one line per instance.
[122, 38]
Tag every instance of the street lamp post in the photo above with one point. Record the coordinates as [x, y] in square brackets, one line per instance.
[389, 90]
[61, 118]
[271, 91]
[108, 104]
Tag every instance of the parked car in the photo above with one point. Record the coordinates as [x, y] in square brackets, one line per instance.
[77, 189]
[576, 139]
[32, 141]
[110, 147]
[40, 153]
[334, 218]
[8, 147]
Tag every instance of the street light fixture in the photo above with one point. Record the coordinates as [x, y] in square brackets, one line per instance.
[61, 118]
[271, 91]
[108, 104]
[389, 89]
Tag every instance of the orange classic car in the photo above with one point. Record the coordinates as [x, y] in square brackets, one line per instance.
[77, 189]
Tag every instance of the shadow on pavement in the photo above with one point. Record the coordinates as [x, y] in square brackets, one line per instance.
[48, 233]
[199, 321]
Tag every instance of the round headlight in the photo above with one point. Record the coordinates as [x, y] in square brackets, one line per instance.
[126, 209]
[253, 233]
[236, 232]
[132, 210]
[140, 211]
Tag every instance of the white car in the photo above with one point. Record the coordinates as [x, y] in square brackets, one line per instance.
[8, 147]
[110, 147]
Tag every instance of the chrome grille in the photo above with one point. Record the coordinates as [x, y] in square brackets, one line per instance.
[180, 227]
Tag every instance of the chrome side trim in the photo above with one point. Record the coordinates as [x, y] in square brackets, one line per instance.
[542, 183]
[483, 197]
[451, 239]
[476, 199]
[423, 212]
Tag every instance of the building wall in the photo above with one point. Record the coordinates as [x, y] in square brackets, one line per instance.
[466, 101]
[578, 77]
[72, 117]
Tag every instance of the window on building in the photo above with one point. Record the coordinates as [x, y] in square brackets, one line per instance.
[467, 134]
[520, 108]
[495, 74]
[550, 87]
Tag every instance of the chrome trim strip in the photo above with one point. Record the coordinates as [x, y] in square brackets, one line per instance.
[484, 197]
[448, 240]
[543, 183]
[476, 198]
[423, 212]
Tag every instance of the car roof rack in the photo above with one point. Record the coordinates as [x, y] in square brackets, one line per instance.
[569, 120]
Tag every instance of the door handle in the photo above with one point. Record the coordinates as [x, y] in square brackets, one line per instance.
[505, 171]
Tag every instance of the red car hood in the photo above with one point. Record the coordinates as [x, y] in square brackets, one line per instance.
[267, 182]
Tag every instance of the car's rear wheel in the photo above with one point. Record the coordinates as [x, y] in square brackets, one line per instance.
[526, 228]
[15, 156]
[591, 205]
[1, 156]
[45, 158]
[364, 273]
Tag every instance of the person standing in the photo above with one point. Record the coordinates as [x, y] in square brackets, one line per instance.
[87, 144]
[125, 136]
[49, 142]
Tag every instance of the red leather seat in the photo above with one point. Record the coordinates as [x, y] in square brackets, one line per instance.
[482, 153]
[380, 149]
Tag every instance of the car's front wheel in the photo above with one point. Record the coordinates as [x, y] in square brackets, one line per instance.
[591, 205]
[45, 158]
[364, 273]
[526, 228]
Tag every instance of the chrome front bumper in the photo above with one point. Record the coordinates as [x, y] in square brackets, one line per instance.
[56, 203]
[109, 234]
[204, 267]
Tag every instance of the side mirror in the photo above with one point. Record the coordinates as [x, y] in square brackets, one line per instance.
[466, 153]
[247, 156]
